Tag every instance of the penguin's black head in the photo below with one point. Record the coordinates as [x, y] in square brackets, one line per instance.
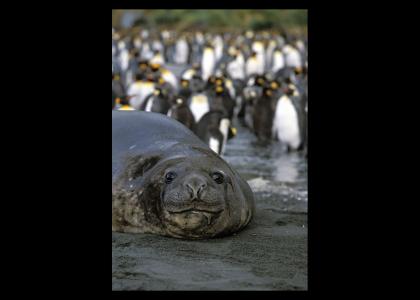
[154, 67]
[301, 71]
[124, 100]
[115, 77]
[143, 65]
[219, 81]
[275, 85]
[260, 80]
[253, 54]
[268, 91]
[140, 76]
[212, 79]
[136, 53]
[197, 84]
[289, 90]
[179, 101]
[157, 92]
[298, 70]
[150, 78]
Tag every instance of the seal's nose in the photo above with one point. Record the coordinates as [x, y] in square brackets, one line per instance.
[195, 184]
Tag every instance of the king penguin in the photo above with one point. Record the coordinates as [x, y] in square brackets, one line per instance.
[286, 124]
[157, 102]
[210, 128]
[139, 90]
[181, 112]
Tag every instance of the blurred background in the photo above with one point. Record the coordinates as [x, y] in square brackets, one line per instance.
[294, 21]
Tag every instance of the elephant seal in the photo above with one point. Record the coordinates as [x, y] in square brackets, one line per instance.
[166, 181]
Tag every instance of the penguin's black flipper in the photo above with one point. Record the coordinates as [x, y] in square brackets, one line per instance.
[301, 147]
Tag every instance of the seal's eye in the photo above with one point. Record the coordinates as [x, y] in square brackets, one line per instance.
[218, 177]
[169, 177]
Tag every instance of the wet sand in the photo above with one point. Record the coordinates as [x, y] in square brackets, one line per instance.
[269, 254]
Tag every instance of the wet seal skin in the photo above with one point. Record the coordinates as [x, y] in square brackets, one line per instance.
[166, 181]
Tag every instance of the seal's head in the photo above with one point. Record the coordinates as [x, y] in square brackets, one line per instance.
[196, 196]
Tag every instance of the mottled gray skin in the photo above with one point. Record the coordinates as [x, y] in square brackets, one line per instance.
[145, 148]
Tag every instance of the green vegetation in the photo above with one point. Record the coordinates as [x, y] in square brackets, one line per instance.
[184, 19]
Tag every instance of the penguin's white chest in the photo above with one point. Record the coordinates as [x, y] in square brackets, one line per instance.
[149, 104]
[252, 66]
[214, 145]
[286, 123]
[224, 129]
[181, 55]
[188, 74]
[140, 91]
[157, 59]
[124, 59]
[278, 61]
[170, 78]
[293, 59]
[199, 106]
[208, 63]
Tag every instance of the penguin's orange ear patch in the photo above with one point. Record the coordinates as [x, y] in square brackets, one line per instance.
[184, 83]
[155, 66]
[274, 85]
[219, 89]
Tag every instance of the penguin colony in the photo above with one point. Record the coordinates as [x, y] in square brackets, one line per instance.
[259, 78]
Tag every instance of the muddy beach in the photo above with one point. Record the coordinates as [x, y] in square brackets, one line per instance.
[270, 254]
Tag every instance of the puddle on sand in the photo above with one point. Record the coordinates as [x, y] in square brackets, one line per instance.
[270, 171]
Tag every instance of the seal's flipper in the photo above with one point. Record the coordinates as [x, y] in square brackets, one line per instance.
[138, 165]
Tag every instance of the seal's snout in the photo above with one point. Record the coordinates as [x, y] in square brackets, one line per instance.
[195, 184]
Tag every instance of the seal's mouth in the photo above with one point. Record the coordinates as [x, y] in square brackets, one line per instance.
[193, 219]
[196, 210]
[195, 205]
